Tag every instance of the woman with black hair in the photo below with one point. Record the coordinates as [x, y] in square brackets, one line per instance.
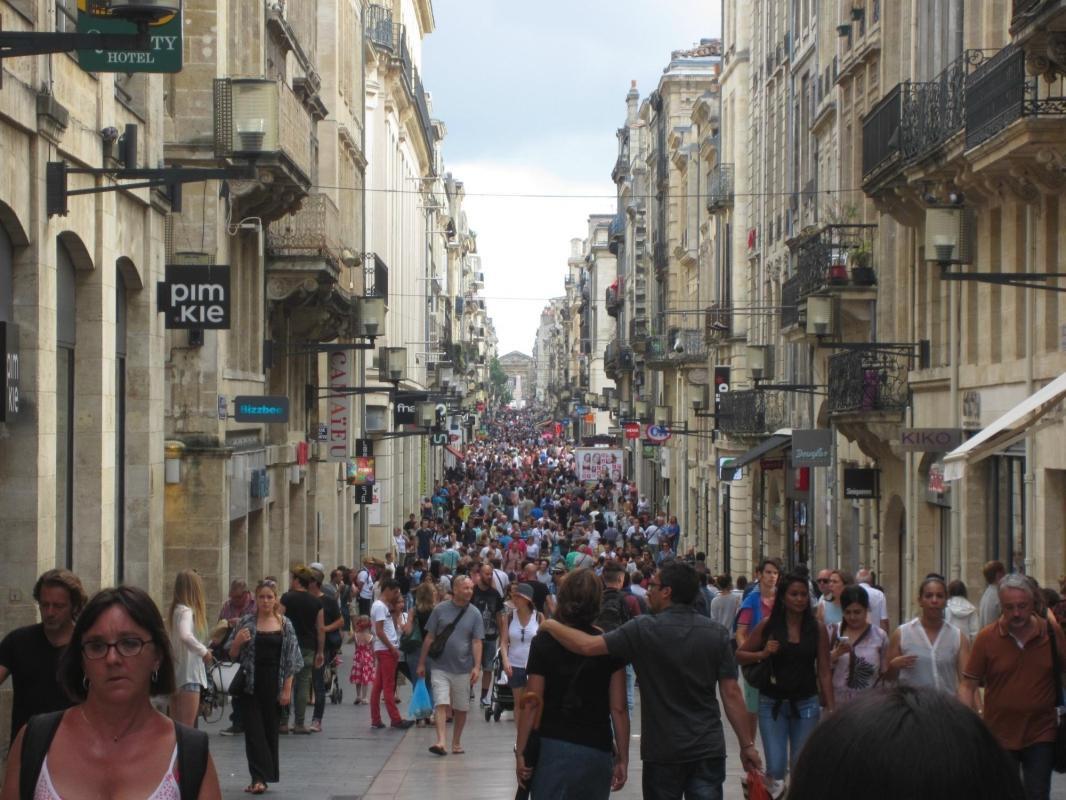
[798, 650]
[928, 651]
[856, 648]
[906, 742]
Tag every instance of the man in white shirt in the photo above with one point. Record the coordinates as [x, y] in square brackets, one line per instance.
[399, 544]
[878, 613]
[387, 654]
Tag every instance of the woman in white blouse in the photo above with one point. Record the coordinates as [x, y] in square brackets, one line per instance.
[188, 625]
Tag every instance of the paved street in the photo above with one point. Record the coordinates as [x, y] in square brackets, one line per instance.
[348, 760]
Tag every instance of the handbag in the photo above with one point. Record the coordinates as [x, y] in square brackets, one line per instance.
[1059, 763]
[412, 642]
[760, 675]
[436, 650]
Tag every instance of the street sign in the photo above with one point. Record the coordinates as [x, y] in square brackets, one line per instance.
[195, 297]
[268, 408]
[657, 434]
[631, 429]
[9, 348]
[164, 56]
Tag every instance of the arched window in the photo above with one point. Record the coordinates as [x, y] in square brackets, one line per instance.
[65, 340]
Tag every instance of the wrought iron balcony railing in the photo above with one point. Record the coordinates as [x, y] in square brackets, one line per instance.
[790, 302]
[751, 413]
[314, 230]
[935, 111]
[881, 145]
[614, 298]
[677, 347]
[1000, 92]
[867, 380]
[720, 187]
[835, 256]
[660, 256]
[376, 277]
[616, 234]
[379, 26]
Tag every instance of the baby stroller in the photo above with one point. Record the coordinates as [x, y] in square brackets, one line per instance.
[502, 696]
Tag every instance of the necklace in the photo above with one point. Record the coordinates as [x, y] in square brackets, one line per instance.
[97, 730]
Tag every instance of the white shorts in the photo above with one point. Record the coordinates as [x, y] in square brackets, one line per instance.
[451, 689]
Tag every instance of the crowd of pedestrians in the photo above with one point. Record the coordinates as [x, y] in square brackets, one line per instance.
[575, 597]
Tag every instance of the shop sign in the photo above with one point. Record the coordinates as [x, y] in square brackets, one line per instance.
[812, 448]
[860, 483]
[937, 489]
[657, 434]
[266, 409]
[163, 56]
[364, 494]
[726, 470]
[631, 430]
[771, 464]
[438, 438]
[930, 440]
[339, 370]
[9, 347]
[405, 408]
[590, 418]
[195, 298]
[364, 448]
[360, 471]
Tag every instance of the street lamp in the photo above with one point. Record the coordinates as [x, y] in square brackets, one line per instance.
[640, 410]
[663, 415]
[426, 414]
[392, 364]
[369, 316]
[757, 360]
[445, 375]
[819, 315]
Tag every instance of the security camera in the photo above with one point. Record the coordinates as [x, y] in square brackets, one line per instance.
[109, 135]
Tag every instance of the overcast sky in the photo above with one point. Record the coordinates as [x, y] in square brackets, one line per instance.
[532, 94]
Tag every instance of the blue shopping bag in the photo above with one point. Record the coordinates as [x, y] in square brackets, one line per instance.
[421, 705]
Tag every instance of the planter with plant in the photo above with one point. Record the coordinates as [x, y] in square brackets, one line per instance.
[862, 274]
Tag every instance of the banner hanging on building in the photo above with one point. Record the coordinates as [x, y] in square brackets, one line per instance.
[339, 405]
[595, 463]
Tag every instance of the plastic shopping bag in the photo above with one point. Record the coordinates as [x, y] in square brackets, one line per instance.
[421, 705]
[756, 788]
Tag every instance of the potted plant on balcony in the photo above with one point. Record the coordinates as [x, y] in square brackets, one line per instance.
[838, 266]
[862, 274]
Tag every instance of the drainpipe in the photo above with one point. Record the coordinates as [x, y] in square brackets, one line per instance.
[1030, 440]
[954, 289]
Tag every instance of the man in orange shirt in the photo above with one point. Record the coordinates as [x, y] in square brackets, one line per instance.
[1013, 658]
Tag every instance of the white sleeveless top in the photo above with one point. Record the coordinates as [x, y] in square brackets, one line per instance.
[936, 665]
[517, 642]
[166, 790]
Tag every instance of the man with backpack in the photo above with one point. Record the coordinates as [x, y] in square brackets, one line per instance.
[617, 608]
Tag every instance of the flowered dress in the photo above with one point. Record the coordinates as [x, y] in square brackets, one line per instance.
[363, 664]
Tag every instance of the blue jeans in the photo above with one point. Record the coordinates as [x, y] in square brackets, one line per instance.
[1035, 762]
[783, 737]
[571, 771]
[693, 780]
[631, 680]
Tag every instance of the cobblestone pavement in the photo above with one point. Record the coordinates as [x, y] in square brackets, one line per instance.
[348, 760]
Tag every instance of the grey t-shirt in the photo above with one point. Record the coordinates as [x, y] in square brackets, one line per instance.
[679, 656]
[458, 655]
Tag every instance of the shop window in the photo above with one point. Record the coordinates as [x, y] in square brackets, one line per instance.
[1006, 509]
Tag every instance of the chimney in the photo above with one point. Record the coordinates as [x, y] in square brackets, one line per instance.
[632, 101]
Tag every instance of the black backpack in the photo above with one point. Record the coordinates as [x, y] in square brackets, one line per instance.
[41, 729]
[614, 613]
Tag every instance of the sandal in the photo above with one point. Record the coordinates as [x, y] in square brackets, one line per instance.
[437, 750]
[458, 751]
[259, 788]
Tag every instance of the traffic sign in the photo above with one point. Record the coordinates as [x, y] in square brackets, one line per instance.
[657, 434]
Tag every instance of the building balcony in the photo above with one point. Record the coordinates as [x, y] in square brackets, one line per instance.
[720, 188]
[836, 258]
[882, 150]
[1000, 93]
[677, 347]
[751, 413]
[376, 278]
[638, 334]
[1032, 20]
[865, 381]
[717, 324]
[660, 257]
[616, 234]
[617, 359]
[615, 297]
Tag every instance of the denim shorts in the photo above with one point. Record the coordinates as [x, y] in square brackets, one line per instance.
[190, 687]
[518, 678]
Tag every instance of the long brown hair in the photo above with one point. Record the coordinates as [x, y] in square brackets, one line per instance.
[273, 587]
[189, 591]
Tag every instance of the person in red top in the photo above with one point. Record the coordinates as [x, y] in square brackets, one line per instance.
[1013, 658]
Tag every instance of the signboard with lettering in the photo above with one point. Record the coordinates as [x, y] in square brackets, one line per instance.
[364, 448]
[364, 494]
[9, 349]
[339, 371]
[165, 54]
[860, 483]
[360, 471]
[812, 448]
[267, 408]
[721, 386]
[195, 297]
[405, 408]
[930, 440]
[631, 429]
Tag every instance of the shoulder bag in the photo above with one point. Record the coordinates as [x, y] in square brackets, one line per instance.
[760, 674]
[440, 641]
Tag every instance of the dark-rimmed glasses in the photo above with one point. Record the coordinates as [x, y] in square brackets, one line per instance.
[127, 647]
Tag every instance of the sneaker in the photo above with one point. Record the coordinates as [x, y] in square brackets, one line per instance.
[776, 788]
[377, 725]
[316, 726]
[485, 702]
[403, 724]
[233, 730]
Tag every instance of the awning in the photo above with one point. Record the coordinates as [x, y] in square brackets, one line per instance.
[775, 442]
[1017, 423]
[457, 453]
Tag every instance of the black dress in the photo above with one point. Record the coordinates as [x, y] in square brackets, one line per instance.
[261, 723]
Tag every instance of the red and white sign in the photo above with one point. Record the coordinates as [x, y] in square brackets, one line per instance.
[657, 434]
[631, 429]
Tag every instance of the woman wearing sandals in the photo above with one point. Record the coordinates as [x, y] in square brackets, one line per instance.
[270, 656]
[516, 636]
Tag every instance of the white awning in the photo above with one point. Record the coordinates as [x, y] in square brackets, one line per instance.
[1020, 421]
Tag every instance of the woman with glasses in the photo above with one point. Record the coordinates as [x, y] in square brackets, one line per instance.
[516, 635]
[270, 656]
[188, 624]
[112, 742]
